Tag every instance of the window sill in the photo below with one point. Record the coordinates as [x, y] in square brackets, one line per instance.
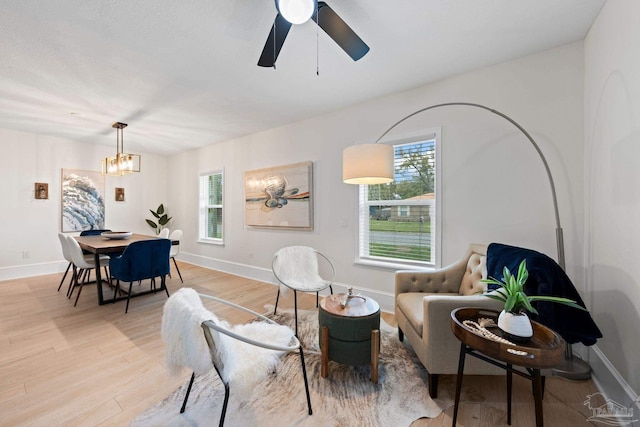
[393, 266]
[211, 242]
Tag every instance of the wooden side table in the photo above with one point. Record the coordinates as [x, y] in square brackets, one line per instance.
[349, 332]
[544, 350]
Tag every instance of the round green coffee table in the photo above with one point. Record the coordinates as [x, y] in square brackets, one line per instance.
[349, 332]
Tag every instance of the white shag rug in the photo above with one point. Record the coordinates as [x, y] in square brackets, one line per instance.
[345, 398]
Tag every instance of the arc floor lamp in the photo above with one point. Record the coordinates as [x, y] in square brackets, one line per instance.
[374, 164]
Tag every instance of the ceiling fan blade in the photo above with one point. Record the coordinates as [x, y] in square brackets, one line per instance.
[340, 32]
[274, 43]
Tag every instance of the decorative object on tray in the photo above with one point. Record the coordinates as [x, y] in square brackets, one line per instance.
[117, 235]
[513, 319]
[162, 217]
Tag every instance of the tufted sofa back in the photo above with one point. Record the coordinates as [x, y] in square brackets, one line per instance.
[476, 270]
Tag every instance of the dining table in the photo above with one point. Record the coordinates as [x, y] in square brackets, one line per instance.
[101, 245]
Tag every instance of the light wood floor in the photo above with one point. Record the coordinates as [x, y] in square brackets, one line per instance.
[93, 365]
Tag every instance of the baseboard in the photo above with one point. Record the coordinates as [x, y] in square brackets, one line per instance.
[29, 270]
[609, 381]
[385, 299]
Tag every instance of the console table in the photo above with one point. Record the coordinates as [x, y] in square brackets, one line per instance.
[544, 350]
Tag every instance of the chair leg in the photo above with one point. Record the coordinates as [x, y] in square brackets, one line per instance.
[74, 278]
[164, 285]
[177, 269]
[79, 291]
[224, 405]
[433, 384]
[277, 298]
[64, 277]
[331, 289]
[306, 381]
[400, 335]
[126, 309]
[186, 396]
[295, 309]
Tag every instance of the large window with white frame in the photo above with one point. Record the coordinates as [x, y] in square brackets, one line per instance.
[211, 229]
[398, 221]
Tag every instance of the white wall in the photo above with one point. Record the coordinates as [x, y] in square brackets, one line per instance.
[612, 175]
[30, 225]
[495, 186]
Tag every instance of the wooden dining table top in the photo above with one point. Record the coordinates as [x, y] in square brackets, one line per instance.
[102, 245]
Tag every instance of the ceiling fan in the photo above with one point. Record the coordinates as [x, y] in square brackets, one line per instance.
[326, 19]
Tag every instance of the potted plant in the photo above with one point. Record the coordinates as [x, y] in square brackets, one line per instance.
[513, 319]
[161, 216]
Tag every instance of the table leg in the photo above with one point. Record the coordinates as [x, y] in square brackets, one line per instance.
[509, 390]
[537, 395]
[375, 353]
[324, 352]
[463, 353]
[98, 279]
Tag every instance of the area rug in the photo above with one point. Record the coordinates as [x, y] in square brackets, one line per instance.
[345, 398]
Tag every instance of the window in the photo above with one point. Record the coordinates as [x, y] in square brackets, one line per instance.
[211, 207]
[397, 221]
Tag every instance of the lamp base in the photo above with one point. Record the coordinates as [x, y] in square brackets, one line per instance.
[573, 368]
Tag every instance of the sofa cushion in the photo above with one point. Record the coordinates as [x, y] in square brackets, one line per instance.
[475, 272]
[411, 306]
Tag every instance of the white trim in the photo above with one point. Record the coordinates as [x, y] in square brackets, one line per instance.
[609, 381]
[29, 270]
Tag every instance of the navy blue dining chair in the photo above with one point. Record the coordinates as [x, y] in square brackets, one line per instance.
[145, 259]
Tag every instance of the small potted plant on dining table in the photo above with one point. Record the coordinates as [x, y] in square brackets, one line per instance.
[513, 319]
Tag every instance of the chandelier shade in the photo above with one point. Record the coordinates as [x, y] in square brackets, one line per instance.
[122, 163]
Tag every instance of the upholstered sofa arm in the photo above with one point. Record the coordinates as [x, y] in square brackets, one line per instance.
[441, 280]
[437, 309]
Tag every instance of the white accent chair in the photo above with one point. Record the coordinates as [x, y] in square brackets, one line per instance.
[222, 346]
[164, 233]
[175, 250]
[67, 256]
[423, 305]
[297, 268]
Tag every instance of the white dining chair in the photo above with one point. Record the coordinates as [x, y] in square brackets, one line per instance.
[164, 233]
[82, 265]
[67, 256]
[175, 250]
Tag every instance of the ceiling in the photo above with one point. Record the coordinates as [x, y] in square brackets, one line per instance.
[183, 74]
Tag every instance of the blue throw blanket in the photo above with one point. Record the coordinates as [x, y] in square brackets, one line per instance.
[546, 278]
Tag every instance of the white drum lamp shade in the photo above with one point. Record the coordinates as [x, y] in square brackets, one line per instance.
[367, 164]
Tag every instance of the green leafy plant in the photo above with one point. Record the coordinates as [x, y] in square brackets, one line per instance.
[162, 218]
[511, 292]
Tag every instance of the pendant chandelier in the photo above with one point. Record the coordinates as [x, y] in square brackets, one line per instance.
[122, 163]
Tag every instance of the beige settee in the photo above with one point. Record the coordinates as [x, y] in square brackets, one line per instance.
[423, 304]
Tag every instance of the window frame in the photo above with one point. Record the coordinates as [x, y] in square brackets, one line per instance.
[363, 220]
[203, 208]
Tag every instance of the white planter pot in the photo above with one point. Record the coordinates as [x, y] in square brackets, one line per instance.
[517, 326]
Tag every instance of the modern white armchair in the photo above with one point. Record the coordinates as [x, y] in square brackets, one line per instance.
[423, 304]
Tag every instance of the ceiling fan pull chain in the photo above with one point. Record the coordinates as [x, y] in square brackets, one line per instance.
[317, 43]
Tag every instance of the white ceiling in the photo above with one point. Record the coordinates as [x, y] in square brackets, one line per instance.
[183, 73]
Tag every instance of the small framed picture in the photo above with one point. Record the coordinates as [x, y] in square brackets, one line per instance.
[119, 194]
[42, 190]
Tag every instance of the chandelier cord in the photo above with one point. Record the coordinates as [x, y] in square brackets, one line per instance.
[317, 41]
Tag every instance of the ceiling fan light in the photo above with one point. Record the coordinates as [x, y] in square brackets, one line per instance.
[296, 11]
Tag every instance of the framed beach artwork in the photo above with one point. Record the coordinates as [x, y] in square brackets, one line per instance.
[82, 200]
[280, 197]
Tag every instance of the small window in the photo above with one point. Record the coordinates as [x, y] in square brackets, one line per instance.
[211, 207]
[397, 223]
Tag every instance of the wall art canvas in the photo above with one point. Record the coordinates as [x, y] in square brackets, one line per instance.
[82, 200]
[280, 197]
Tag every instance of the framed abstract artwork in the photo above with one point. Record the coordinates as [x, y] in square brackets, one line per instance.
[82, 200]
[280, 197]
